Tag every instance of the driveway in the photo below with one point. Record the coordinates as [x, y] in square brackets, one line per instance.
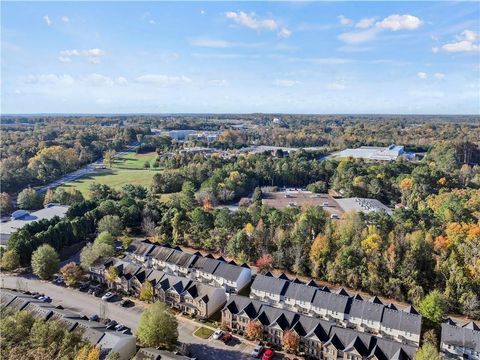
[87, 304]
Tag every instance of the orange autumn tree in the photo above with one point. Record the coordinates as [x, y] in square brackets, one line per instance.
[265, 262]
[254, 330]
[291, 341]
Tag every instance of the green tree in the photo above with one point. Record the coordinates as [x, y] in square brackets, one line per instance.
[45, 261]
[157, 327]
[257, 197]
[29, 199]
[111, 224]
[428, 351]
[6, 206]
[126, 241]
[10, 260]
[105, 238]
[187, 196]
[146, 292]
[433, 307]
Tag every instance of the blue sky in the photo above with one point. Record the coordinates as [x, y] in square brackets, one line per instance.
[290, 57]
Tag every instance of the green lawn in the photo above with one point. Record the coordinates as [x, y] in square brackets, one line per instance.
[203, 332]
[115, 178]
[134, 161]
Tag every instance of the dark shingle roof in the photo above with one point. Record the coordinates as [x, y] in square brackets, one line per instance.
[331, 301]
[366, 310]
[300, 292]
[206, 264]
[270, 284]
[228, 272]
[181, 259]
[161, 253]
[461, 336]
[402, 320]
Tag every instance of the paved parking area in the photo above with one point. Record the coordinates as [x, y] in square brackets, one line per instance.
[84, 303]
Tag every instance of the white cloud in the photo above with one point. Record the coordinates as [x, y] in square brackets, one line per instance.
[357, 37]
[435, 49]
[93, 55]
[393, 23]
[344, 20]
[400, 22]
[152, 22]
[427, 94]
[65, 19]
[218, 82]
[338, 85]
[284, 32]
[97, 80]
[251, 21]
[163, 80]
[365, 23]
[47, 20]
[422, 75]
[202, 12]
[121, 80]
[64, 59]
[465, 43]
[439, 76]
[48, 79]
[286, 82]
[210, 43]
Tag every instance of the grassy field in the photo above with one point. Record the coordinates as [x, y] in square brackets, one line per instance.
[134, 161]
[203, 332]
[115, 178]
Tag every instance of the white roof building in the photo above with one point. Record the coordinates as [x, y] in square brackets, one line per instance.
[363, 205]
[389, 153]
[22, 217]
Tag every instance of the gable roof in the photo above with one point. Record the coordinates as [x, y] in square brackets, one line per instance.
[160, 253]
[206, 264]
[331, 301]
[270, 284]
[300, 292]
[402, 320]
[461, 336]
[228, 271]
[180, 258]
[366, 310]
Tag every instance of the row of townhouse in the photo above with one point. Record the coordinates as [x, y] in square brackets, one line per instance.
[460, 342]
[318, 338]
[370, 316]
[179, 292]
[92, 331]
[206, 269]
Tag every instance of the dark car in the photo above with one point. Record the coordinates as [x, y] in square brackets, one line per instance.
[93, 318]
[83, 287]
[227, 337]
[126, 303]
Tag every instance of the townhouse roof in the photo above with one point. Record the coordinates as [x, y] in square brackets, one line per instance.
[331, 301]
[92, 331]
[356, 346]
[228, 271]
[39, 310]
[181, 259]
[401, 320]
[467, 337]
[156, 354]
[161, 253]
[366, 310]
[300, 292]
[154, 276]
[201, 291]
[142, 248]
[177, 283]
[206, 264]
[345, 337]
[236, 304]
[270, 284]
[395, 350]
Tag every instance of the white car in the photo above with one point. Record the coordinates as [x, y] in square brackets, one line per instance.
[334, 216]
[217, 334]
[257, 351]
[108, 296]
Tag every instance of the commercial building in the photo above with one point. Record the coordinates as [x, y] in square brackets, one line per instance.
[390, 153]
[20, 218]
[363, 205]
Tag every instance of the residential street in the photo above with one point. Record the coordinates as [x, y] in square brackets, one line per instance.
[87, 304]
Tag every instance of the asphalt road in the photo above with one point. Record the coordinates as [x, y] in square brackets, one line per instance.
[86, 304]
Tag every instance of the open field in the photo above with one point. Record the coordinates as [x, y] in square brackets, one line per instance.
[115, 178]
[134, 161]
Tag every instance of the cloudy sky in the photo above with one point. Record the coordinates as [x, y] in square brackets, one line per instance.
[291, 57]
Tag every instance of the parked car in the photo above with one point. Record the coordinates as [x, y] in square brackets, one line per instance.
[226, 337]
[44, 298]
[120, 327]
[108, 296]
[126, 303]
[268, 354]
[257, 351]
[217, 335]
[83, 286]
[93, 317]
[111, 324]
[334, 216]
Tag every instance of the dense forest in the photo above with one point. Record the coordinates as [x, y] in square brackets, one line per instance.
[431, 242]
